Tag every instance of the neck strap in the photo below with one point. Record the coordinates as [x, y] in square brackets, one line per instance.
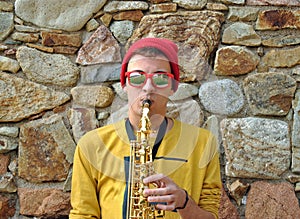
[160, 135]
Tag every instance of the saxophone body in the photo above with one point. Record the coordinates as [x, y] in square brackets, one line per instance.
[141, 166]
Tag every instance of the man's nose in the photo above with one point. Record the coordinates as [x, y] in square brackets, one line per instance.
[148, 86]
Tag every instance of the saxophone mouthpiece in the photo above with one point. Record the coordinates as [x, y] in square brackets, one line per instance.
[147, 101]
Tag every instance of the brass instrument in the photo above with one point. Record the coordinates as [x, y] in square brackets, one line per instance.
[141, 166]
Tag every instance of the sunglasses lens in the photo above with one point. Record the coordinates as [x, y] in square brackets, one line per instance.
[160, 80]
[136, 78]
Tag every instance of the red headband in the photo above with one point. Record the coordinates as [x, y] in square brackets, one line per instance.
[169, 48]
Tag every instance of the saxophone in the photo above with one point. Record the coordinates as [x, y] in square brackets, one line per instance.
[141, 166]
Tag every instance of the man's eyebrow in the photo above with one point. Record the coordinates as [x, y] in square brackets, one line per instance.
[138, 70]
[159, 71]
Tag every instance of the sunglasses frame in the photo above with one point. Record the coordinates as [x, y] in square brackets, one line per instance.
[149, 75]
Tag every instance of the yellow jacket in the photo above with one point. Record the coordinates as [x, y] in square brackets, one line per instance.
[187, 154]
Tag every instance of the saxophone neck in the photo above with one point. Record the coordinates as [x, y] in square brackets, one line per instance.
[146, 107]
[145, 124]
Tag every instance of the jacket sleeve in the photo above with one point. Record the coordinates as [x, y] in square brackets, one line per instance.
[84, 194]
[211, 190]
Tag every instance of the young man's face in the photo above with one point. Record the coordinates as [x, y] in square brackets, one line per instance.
[151, 90]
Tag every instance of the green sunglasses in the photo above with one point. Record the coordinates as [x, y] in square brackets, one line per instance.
[139, 78]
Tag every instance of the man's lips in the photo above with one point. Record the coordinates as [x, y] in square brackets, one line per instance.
[142, 100]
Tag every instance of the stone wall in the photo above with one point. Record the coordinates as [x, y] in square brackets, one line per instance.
[59, 78]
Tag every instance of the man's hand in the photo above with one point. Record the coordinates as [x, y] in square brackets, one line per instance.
[168, 195]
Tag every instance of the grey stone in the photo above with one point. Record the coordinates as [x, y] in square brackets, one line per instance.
[119, 90]
[68, 183]
[7, 183]
[279, 41]
[8, 144]
[7, 24]
[187, 111]
[44, 68]
[241, 34]
[8, 64]
[27, 29]
[58, 14]
[269, 93]
[282, 58]
[191, 4]
[274, 2]
[82, 120]
[236, 2]
[296, 160]
[184, 91]
[97, 73]
[22, 98]
[92, 96]
[296, 122]
[116, 6]
[25, 37]
[122, 30]
[223, 97]
[242, 13]
[296, 134]
[9, 131]
[256, 147]
[92, 25]
[6, 6]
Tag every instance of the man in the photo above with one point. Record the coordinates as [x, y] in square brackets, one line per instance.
[185, 157]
